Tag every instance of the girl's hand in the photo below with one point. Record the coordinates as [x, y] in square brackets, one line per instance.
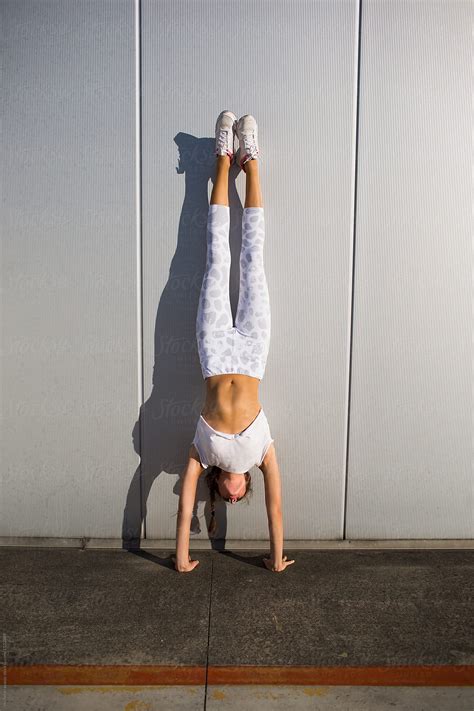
[185, 568]
[277, 567]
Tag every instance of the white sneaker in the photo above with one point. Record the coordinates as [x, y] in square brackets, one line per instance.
[247, 132]
[225, 129]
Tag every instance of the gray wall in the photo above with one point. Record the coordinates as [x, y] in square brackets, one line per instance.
[365, 121]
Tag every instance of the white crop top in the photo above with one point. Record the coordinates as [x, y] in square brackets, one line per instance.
[233, 452]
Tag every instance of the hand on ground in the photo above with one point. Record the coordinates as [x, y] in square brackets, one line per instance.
[186, 568]
[276, 568]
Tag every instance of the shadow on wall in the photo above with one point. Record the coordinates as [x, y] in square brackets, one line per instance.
[167, 420]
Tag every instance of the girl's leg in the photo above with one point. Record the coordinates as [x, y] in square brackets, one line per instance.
[220, 189]
[253, 190]
[253, 319]
[214, 314]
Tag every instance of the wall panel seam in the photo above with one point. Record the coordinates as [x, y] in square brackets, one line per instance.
[355, 144]
[139, 242]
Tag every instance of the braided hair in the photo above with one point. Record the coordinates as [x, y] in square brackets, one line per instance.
[212, 477]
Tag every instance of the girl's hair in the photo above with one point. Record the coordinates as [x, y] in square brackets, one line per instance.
[212, 477]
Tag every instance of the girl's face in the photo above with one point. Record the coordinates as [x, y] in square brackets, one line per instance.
[232, 486]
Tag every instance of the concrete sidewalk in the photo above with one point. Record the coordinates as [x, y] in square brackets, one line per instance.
[338, 629]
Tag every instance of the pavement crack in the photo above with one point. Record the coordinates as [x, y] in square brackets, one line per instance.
[208, 631]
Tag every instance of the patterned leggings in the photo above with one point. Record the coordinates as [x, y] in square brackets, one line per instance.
[223, 347]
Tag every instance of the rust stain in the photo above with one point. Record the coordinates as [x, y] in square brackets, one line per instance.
[101, 689]
[400, 675]
[218, 695]
[137, 706]
[139, 676]
[105, 675]
[69, 690]
[267, 695]
[316, 691]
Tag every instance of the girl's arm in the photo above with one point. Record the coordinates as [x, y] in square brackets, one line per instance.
[271, 475]
[187, 498]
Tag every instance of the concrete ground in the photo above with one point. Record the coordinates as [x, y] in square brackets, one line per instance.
[352, 629]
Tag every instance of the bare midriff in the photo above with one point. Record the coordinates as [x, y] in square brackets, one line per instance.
[232, 402]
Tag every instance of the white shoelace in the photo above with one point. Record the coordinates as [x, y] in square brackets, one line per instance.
[249, 145]
[223, 139]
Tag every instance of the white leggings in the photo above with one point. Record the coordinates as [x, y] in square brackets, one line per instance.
[223, 347]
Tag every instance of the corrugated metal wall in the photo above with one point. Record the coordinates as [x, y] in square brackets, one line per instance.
[365, 122]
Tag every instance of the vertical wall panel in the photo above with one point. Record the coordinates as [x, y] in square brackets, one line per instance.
[410, 455]
[69, 347]
[291, 65]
